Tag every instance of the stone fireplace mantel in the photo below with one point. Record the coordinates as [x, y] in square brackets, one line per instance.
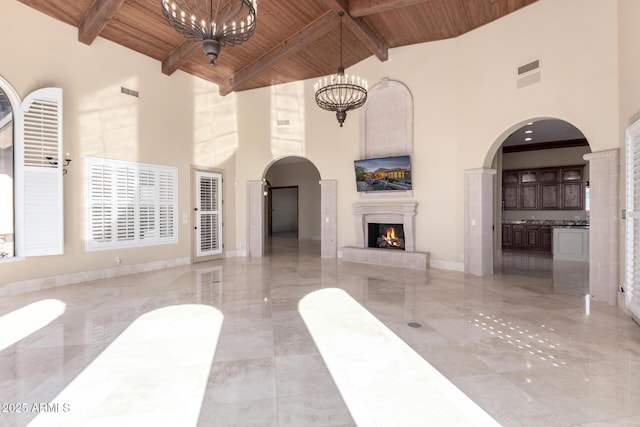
[385, 212]
[388, 213]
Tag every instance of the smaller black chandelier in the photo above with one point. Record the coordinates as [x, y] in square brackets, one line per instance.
[341, 93]
[212, 22]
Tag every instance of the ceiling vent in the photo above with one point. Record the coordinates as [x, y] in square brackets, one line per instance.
[528, 74]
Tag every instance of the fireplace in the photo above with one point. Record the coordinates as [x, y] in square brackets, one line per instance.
[372, 221]
[386, 236]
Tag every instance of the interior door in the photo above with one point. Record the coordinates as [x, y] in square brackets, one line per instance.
[208, 216]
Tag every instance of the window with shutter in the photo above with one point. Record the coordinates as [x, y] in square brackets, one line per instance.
[31, 197]
[130, 204]
[632, 238]
[42, 187]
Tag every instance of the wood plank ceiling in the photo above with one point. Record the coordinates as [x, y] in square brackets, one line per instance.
[294, 39]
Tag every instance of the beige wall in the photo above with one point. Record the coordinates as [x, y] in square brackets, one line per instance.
[629, 90]
[306, 177]
[465, 104]
[173, 122]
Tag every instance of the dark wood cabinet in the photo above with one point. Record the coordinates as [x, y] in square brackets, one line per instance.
[543, 189]
[549, 175]
[573, 195]
[529, 197]
[532, 237]
[549, 196]
[506, 235]
[511, 177]
[517, 236]
[546, 237]
[510, 197]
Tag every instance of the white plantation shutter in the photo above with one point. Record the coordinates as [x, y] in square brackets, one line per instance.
[209, 213]
[130, 204]
[632, 239]
[148, 195]
[101, 204]
[167, 204]
[41, 114]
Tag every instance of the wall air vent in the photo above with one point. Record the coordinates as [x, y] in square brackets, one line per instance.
[528, 74]
[533, 65]
[128, 91]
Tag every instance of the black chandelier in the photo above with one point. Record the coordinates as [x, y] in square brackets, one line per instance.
[341, 93]
[214, 23]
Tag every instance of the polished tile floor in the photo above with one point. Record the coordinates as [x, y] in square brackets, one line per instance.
[526, 345]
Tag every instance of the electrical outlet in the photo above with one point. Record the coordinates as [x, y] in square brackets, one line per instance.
[117, 260]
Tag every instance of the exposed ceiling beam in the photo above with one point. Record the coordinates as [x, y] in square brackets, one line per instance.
[96, 18]
[293, 44]
[179, 56]
[369, 7]
[361, 29]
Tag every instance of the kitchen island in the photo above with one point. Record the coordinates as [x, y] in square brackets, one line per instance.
[571, 243]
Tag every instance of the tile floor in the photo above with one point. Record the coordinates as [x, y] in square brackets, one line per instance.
[524, 344]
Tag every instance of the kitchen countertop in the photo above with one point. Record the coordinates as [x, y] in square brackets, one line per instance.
[551, 222]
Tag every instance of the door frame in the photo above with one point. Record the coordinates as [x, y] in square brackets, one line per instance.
[193, 215]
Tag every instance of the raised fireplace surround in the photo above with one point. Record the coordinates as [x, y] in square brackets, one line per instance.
[387, 212]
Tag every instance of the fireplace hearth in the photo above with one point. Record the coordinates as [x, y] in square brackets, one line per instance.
[386, 236]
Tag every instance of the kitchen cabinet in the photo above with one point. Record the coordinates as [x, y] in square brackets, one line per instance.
[529, 196]
[543, 188]
[517, 236]
[546, 238]
[510, 197]
[533, 237]
[550, 196]
[572, 195]
[506, 235]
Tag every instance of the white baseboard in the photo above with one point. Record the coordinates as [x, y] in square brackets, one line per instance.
[33, 285]
[446, 265]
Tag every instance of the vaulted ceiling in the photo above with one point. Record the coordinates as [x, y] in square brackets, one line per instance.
[293, 40]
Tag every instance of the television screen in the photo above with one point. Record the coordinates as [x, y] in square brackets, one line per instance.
[383, 174]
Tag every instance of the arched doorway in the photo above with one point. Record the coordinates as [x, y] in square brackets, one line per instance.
[541, 219]
[292, 205]
[257, 192]
[603, 170]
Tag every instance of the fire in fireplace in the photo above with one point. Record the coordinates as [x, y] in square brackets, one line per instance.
[386, 236]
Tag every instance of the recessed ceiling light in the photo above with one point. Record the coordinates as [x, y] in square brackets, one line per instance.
[528, 139]
[528, 131]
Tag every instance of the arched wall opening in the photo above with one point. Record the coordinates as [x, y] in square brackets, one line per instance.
[484, 211]
[315, 206]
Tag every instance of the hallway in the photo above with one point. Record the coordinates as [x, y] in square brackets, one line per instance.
[527, 347]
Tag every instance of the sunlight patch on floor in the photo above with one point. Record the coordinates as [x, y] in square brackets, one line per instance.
[154, 374]
[24, 321]
[382, 380]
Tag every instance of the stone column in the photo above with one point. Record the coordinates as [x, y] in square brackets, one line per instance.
[478, 221]
[604, 225]
[255, 218]
[328, 218]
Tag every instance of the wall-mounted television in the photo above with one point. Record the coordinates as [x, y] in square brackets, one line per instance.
[383, 174]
